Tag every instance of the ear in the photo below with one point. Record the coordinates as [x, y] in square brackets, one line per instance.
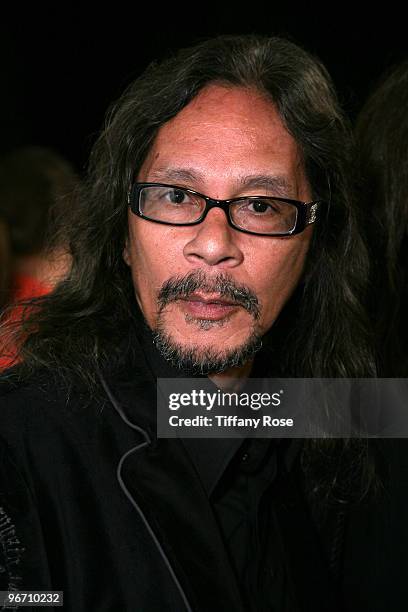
[126, 253]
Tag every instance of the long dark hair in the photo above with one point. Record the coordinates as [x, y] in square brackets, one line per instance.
[382, 136]
[85, 317]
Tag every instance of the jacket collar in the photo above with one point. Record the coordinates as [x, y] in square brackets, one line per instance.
[163, 482]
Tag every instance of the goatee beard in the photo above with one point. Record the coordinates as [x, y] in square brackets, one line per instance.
[204, 361]
[196, 360]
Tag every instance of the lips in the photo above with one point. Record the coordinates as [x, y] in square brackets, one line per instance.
[209, 306]
[209, 299]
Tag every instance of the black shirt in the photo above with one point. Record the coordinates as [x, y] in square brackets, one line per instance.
[241, 490]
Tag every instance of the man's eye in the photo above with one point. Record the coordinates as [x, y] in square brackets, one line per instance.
[177, 196]
[259, 206]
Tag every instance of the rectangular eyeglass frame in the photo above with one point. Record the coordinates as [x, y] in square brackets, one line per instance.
[307, 212]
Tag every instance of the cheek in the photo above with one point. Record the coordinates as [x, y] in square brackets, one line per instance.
[276, 272]
[153, 254]
[143, 246]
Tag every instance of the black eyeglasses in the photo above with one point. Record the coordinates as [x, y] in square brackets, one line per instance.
[261, 215]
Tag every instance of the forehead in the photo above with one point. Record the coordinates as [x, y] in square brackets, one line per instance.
[224, 132]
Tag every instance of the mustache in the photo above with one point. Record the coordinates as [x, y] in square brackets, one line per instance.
[182, 286]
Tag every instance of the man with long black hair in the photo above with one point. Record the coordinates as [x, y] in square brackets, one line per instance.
[216, 236]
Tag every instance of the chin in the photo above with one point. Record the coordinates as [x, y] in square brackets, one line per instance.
[208, 352]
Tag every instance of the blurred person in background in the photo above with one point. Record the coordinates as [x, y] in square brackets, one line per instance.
[382, 137]
[34, 182]
[4, 262]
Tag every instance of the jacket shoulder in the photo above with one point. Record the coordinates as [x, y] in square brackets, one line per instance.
[41, 388]
[44, 403]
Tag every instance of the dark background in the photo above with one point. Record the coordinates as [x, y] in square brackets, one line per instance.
[60, 70]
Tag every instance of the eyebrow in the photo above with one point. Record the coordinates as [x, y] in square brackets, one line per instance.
[177, 174]
[276, 185]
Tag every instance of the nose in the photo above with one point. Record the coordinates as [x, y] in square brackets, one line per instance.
[215, 242]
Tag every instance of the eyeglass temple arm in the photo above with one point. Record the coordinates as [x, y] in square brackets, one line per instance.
[314, 207]
[312, 212]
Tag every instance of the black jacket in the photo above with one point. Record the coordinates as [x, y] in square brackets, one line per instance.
[91, 503]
